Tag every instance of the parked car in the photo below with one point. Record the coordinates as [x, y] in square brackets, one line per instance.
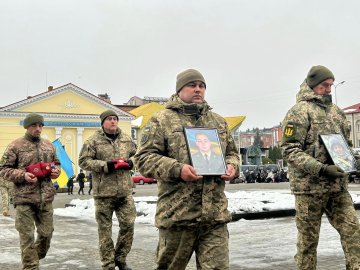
[137, 178]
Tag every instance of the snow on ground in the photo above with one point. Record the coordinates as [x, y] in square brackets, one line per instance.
[239, 202]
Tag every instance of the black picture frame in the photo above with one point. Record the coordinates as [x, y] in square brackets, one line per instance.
[205, 150]
[339, 151]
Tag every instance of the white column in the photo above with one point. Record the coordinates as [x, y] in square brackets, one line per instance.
[79, 140]
[58, 132]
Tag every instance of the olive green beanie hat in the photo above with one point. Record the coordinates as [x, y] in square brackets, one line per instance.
[187, 76]
[318, 74]
[106, 114]
[33, 118]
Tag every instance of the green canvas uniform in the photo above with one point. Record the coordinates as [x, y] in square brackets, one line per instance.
[112, 192]
[310, 117]
[5, 191]
[191, 216]
[33, 201]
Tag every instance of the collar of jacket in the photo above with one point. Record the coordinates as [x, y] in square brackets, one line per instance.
[116, 134]
[31, 138]
[307, 94]
[175, 103]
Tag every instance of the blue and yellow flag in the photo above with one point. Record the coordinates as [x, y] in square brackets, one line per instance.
[67, 169]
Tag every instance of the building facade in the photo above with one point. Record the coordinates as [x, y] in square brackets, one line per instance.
[353, 118]
[71, 114]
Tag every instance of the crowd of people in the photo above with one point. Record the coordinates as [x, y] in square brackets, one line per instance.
[265, 176]
[191, 213]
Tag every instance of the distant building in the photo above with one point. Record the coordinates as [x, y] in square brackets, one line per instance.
[136, 101]
[71, 114]
[353, 119]
[247, 138]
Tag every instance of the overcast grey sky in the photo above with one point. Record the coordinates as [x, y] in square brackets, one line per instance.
[254, 54]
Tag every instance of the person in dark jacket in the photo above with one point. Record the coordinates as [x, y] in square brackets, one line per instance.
[70, 185]
[81, 180]
[90, 182]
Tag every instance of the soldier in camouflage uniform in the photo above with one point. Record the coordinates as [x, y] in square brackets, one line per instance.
[32, 195]
[5, 191]
[191, 209]
[318, 185]
[108, 154]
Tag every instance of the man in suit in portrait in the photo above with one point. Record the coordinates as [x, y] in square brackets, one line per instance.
[206, 161]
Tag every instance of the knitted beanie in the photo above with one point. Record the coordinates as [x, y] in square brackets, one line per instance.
[318, 74]
[33, 118]
[187, 76]
[106, 114]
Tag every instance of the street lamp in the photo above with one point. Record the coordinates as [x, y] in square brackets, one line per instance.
[336, 85]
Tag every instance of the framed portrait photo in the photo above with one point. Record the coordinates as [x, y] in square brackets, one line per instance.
[339, 151]
[205, 151]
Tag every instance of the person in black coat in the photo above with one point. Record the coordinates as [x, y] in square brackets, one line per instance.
[90, 182]
[81, 180]
[70, 184]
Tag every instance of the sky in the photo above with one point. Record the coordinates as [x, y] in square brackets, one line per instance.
[254, 54]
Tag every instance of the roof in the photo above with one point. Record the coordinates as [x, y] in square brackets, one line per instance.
[146, 111]
[234, 121]
[352, 109]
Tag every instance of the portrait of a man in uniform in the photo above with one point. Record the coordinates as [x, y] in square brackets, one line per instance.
[206, 154]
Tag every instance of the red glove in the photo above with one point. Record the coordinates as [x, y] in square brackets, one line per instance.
[122, 164]
[41, 169]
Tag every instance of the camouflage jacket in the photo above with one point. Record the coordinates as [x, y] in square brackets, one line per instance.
[5, 183]
[163, 153]
[21, 153]
[95, 153]
[302, 148]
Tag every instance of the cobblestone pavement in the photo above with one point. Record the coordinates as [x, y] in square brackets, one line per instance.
[256, 244]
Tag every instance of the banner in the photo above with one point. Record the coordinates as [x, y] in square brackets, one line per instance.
[67, 169]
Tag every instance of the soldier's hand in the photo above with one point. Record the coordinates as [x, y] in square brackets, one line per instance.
[332, 171]
[230, 173]
[29, 177]
[55, 173]
[188, 173]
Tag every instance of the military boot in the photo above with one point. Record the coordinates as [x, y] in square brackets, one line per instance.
[6, 214]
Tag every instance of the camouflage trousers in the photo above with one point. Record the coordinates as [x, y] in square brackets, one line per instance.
[27, 217]
[210, 243]
[125, 211]
[5, 198]
[341, 214]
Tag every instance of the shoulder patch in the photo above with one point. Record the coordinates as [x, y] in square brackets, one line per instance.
[146, 134]
[290, 130]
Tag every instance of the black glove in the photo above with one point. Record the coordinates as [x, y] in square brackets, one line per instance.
[332, 172]
[111, 165]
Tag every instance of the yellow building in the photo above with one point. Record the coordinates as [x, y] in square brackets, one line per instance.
[71, 114]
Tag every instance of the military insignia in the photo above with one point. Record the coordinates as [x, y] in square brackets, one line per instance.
[146, 134]
[47, 167]
[290, 130]
[36, 170]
